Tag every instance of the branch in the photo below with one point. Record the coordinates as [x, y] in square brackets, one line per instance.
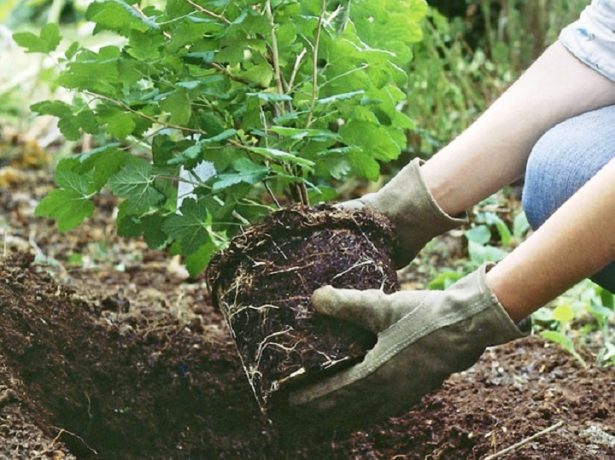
[209, 13]
[293, 75]
[524, 442]
[315, 64]
[275, 52]
[143, 115]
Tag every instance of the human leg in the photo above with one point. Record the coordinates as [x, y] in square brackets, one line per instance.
[565, 158]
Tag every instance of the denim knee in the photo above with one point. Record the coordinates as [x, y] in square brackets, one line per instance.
[563, 159]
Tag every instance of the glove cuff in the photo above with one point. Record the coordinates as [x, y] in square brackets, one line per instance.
[503, 329]
[408, 203]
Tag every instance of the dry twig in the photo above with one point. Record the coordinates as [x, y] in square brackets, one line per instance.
[524, 442]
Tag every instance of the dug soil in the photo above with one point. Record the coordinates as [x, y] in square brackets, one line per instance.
[106, 353]
[263, 281]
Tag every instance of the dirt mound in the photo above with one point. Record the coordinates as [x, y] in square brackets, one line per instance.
[141, 384]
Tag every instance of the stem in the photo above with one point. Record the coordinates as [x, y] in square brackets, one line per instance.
[275, 53]
[270, 192]
[315, 64]
[143, 115]
[208, 12]
[523, 442]
[293, 75]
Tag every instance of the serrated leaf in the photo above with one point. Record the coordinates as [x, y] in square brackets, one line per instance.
[198, 260]
[178, 106]
[246, 171]
[319, 135]
[67, 207]
[135, 183]
[47, 42]
[190, 227]
[71, 51]
[194, 151]
[118, 16]
[271, 97]
[261, 74]
[121, 125]
[372, 139]
[340, 97]
[104, 162]
[153, 234]
[72, 181]
[279, 155]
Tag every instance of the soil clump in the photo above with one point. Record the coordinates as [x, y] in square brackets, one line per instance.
[263, 282]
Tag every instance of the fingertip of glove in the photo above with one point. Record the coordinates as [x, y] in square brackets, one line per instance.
[351, 205]
[322, 298]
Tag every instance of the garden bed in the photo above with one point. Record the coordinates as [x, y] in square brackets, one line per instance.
[118, 358]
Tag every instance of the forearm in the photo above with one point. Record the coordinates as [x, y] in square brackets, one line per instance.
[493, 151]
[574, 243]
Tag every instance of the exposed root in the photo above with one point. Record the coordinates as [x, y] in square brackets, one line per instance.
[263, 285]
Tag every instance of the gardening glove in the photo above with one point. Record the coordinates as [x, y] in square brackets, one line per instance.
[423, 337]
[410, 206]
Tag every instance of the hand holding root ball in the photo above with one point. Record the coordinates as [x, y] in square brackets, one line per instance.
[423, 337]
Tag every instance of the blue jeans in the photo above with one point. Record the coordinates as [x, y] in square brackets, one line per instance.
[563, 159]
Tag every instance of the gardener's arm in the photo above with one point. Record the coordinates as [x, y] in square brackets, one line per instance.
[494, 150]
[574, 243]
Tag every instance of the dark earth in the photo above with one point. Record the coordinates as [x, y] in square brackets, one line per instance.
[263, 281]
[107, 351]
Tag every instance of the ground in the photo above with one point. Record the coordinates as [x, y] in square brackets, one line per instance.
[108, 351]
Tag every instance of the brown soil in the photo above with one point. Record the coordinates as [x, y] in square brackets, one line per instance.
[263, 282]
[129, 361]
[143, 385]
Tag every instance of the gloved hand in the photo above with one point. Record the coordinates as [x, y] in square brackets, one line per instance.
[423, 337]
[408, 203]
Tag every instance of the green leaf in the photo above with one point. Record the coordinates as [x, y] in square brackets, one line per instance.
[520, 225]
[178, 106]
[198, 260]
[339, 97]
[479, 234]
[67, 207]
[261, 74]
[135, 183]
[194, 151]
[563, 313]
[72, 181]
[47, 42]
[119, 123]
[372, 139]
[491, 218]
[481, 254]
[565, 342]
[279, 155]
[118, 16]
[247, 172]
[444, 280]
[190, 227]
[271, 97]
[319, 135]
[104, 162]
[153, 234]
